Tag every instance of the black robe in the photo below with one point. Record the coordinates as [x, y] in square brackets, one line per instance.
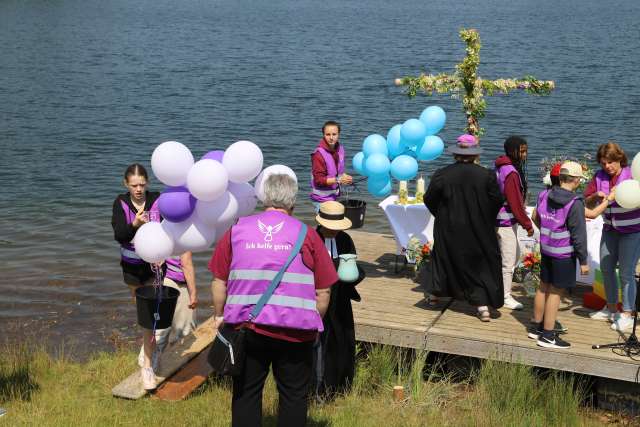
[334, 353]
[466, 264]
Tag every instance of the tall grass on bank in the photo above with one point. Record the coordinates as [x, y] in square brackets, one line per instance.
[37, 389]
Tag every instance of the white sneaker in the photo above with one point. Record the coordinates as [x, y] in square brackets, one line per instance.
[603, 314]
[622, 324]
[511, 303]
[148, 378]
[155, 359]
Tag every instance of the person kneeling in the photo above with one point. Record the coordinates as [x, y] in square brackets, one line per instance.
[563, 237]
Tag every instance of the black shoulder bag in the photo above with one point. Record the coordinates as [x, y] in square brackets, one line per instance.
[227, 354]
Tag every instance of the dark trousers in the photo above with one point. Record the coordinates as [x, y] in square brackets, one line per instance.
[292, 366]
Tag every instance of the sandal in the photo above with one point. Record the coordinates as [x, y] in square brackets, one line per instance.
[484, 315]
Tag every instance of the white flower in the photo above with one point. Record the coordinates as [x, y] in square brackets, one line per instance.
[547, 179]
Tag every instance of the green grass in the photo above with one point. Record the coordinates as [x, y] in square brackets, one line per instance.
[37, 389]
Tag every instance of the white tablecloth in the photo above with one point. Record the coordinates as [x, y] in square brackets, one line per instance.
[409, 221]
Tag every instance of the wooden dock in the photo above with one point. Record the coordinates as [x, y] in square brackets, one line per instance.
[393, 311]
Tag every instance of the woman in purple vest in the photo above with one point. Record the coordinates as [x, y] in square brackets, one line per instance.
[244, 262]
[130, 210]
[620, 242]
[327, 166]
[563, 238]
[513, 185]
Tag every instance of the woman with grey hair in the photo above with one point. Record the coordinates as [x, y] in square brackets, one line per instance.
[244, 262]
[465, 199]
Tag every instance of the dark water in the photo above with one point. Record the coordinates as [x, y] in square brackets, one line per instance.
[87, 87]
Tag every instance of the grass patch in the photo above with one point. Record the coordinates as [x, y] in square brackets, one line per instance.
[37, 389]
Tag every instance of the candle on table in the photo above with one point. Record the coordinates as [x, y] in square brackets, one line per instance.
[403, 186]
[420, 186]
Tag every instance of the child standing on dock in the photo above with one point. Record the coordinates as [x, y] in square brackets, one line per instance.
[563, 237]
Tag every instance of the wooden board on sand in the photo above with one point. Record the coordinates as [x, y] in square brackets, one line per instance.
[171, 360]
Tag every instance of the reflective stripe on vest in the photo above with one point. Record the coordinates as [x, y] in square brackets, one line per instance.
[505, 217]
[616, 217]
[174, 270]
[565, 250]
[555, 235]
[304, 279]
[329, 192]
[279, 300]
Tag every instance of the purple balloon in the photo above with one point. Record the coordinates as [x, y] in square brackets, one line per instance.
[176, 204]
[214, 155]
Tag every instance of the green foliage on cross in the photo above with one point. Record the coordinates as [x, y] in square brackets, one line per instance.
[466, 80]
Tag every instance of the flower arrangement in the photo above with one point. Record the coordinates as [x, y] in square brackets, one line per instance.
[528, 270]
[418, 253]
[547, 163]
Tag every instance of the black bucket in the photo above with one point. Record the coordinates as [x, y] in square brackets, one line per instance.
[355, 210]
[147, 305]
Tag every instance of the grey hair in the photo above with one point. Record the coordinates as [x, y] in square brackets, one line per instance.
[462, 158]
[280, 192]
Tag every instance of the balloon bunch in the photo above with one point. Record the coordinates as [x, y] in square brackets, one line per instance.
[398, 154]
[202, 199]
[628, 192]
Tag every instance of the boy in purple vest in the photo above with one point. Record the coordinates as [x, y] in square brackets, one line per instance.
[327, 166]
[563, 237]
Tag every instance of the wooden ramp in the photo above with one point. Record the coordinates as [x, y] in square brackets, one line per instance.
[393, 311]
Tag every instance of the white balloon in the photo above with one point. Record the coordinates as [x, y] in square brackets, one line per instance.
[246, 197]
[635, 167]
[243, 161]
[223, 209]
[171, 162]
[266, 173]
[628, 194]
[191, 234]
[152, 242]
[207, 180]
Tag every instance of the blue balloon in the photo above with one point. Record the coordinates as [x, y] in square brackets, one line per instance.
[394, 143]
[404, 168]
[377, 164]
[375, 144]
[357, 162]
[379, 180]
[379, 188]
[412, 132]
[434, 119]
[431, 149]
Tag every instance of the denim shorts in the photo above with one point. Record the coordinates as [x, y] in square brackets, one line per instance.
[559, 272]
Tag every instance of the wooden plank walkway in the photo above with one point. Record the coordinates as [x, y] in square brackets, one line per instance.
[393, 311]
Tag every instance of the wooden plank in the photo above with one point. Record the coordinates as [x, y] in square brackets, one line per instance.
[171, 360]
[186, 380]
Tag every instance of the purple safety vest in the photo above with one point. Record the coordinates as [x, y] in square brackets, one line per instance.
[505, 216]
[555, 239]
[615, 216]
[261, 245]
[174, 270]
[330, 192]
[127, 251]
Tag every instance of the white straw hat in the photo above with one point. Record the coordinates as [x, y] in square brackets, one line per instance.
[331, 216]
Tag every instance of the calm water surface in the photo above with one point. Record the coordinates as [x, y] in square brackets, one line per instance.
[87, 87]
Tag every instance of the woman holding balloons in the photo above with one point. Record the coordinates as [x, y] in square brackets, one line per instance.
[327, 166]
[620, 243]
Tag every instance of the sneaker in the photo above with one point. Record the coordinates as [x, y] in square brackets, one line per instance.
[622, 324]
[534, 331]
[511, 303]
[553, 342]
[603, 314]
[148, 378]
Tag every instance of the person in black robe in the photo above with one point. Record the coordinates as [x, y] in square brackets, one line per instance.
[335, 350]
[465, 199]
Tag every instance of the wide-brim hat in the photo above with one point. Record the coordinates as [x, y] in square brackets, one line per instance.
[331, 216]
[466, 145]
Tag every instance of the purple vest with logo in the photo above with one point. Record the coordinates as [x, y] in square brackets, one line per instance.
[174, 270]
[615, 216]
[330, 192]
[505, 216]
[127, 251]
[261, 245]
[555, 239]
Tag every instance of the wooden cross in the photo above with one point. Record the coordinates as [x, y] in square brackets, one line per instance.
[466, 79]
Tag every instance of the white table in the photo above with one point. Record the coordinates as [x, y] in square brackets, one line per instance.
[409, 221]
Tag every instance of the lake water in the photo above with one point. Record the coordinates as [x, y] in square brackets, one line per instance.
[87, 87]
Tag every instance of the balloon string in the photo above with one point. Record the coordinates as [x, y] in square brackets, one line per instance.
[157, 285]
